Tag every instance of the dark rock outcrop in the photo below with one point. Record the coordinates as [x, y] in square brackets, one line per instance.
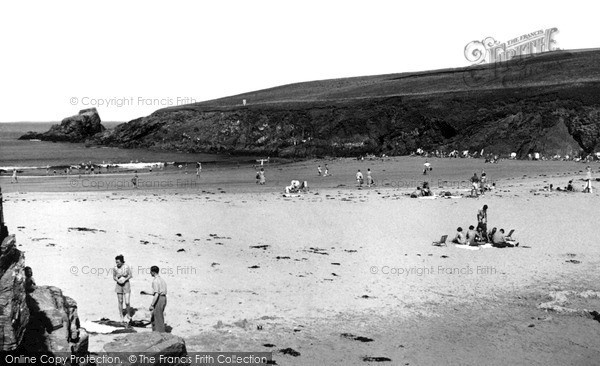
[548, 103]
[53, 325]
[14, 313]
[151, 344]
[76, 128]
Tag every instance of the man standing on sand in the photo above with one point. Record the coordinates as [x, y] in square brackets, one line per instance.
[14, 177]
[159, 300]
[427, 167]
[482, 219]
[326, 170]
[198, 169]
[319, 170]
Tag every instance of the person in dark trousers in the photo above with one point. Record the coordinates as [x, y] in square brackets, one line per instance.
[482, 220]
[159, 300]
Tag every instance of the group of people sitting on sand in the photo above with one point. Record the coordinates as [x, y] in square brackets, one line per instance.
[476, 237]
[423, 191]
[296, 187]
[481, 236]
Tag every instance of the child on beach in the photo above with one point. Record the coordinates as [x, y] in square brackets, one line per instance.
[326, 170]
[134, 180]
[261, 176]
[427, 167]
[319, 170]
[359, 178]
[588, 183]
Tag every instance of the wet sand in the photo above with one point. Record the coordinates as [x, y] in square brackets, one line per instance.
[340, 275]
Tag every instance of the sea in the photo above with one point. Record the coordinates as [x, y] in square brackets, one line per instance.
[35, 157]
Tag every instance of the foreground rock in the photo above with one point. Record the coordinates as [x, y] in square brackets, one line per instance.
[151, 344]
[76, 128]
[53, 325]
[14, 313]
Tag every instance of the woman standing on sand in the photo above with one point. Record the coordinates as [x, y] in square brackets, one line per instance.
[588, 179]
[261, 176]
[122, 275]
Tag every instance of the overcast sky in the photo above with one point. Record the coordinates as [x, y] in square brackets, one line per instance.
[61, 56]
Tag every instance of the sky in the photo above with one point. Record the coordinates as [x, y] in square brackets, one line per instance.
[130, 58]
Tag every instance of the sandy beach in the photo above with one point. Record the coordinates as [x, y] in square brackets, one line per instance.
[341, 274]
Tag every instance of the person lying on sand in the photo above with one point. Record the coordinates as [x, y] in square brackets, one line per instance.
[416, 193]
[568, 188]
[460, 237]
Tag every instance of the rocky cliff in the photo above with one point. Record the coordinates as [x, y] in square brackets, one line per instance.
[35, 319]
[76, 128]
[548, 103]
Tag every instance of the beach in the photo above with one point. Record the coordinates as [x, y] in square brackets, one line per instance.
[340, 274]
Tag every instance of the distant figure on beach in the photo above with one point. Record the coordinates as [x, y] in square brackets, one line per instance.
[159, 300]
[198, 168]
[482, 219]
[294, 187]
[326, 170]
[134, 180]
[30, 285]
[427, 167]
[475, 183]
[588, 179]
[426, 191]
[416, 193]
[92, 170]
[14, 177]
[483, 177]
[460, 237]
[359, 178]
[319, 171]
[122, 274]
[370, 181]
[261, 176]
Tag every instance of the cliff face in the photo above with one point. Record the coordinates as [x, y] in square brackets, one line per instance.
[14, 313]
[76, 128]
[547, 103]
